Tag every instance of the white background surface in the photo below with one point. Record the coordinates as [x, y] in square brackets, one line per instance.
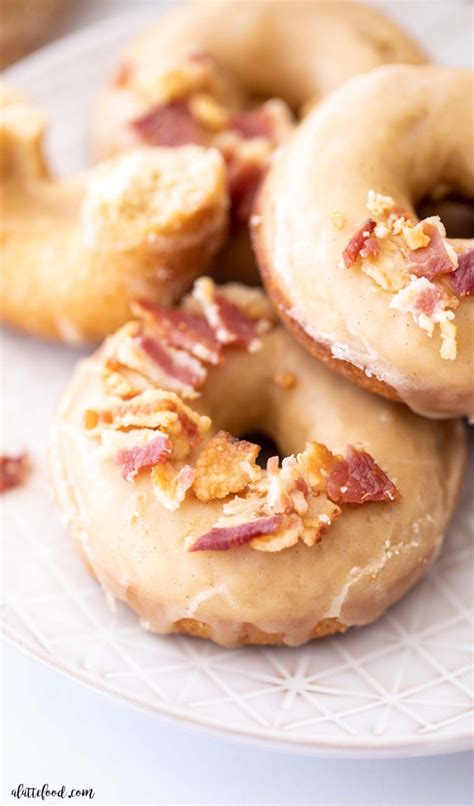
[58, 732]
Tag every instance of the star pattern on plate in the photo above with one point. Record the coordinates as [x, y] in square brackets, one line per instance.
[407, 676]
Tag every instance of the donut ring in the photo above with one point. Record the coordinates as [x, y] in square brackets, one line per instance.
[75, 252]
[355, 277]
[216, 60]
[138, 499]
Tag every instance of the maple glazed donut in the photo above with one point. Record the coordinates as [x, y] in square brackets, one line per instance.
[75, 252]
[382, 297]
[203, 72]
[155, 472]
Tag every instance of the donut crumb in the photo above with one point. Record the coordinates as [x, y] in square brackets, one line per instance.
[225, 465]
[211, 114]
[285, 380]
[378, 204]
[338, 219]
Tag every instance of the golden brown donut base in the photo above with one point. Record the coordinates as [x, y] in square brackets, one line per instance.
[320, 350]
[250, 634]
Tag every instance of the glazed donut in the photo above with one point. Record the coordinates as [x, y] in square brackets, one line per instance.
[201, 74]
[175, 516]
[75, 252]
[382, 297]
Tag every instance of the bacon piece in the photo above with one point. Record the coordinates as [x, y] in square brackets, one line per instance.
[177, 364]
[318, 519]
[463, 277]
[358, 478]
[13, 471]
[428, 300]
[178, 328]
[244, 179]
[424, 300]
[134, 459]
[286, 537]
[371, 248]
[171, 483]
[235, 326]
[400, 212]
[357, 242]
[287, 489]
[152, 409]
[229, 322]
[221, 538]
[170, 124]
[258, 122]
[430, 260]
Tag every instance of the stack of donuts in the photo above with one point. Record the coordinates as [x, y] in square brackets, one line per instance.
[246, 465]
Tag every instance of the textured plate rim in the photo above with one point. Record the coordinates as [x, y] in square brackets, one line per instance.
[393, 748]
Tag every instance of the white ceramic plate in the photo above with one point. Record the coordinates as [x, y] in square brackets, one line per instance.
[399, 687]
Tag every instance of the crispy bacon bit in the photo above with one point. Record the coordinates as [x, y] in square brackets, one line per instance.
[13, 471]
[415, 237]
[123, 382]
[234, 326]
[371, 248]
[430, 260]
[427, 303]
[134, 459]
[287, 535]
[428, 300]
[258, 122]
[357, 242]
[159, 364]
[287, 489]
[271, 121]
[316, 463]
[229, 323]
[320, 516]
[170, 124]
[358, 478]
[226, 465]
[153, 409]
[181, 329]
[221, 538]
[379, 205]
[463, 277]
[400, 212]
[176, 364]
[171, 483]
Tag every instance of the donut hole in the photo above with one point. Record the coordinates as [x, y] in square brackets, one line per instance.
[455, 210]
[268, 445]
[240, 399]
